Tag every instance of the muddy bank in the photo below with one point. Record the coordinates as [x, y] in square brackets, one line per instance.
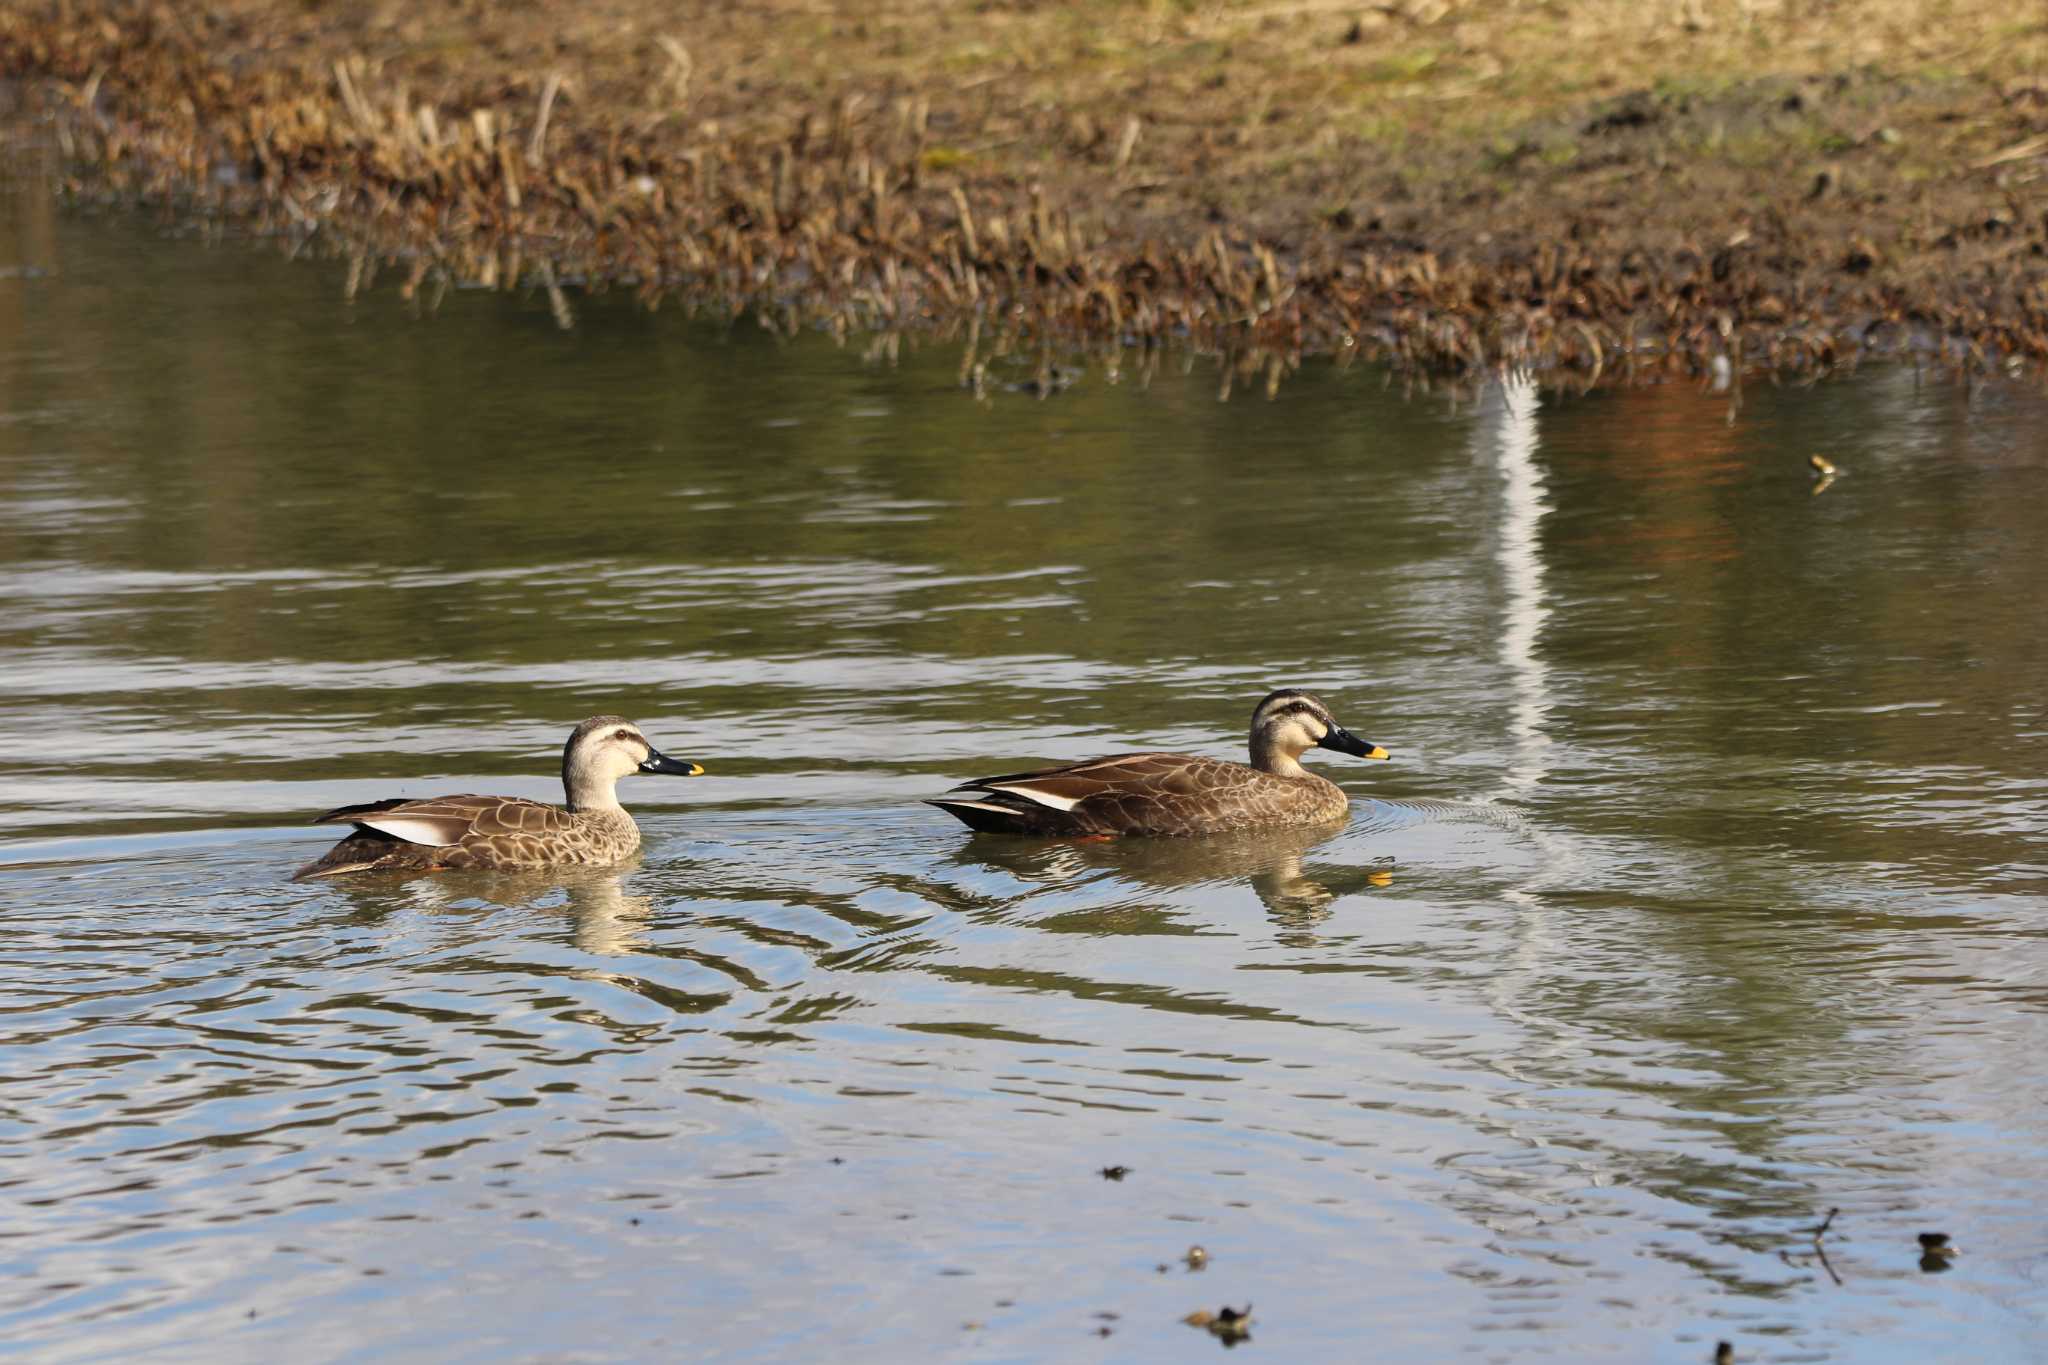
[1445, 189]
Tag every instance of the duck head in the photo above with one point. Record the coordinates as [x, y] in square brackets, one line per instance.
[604, 749]
[1290, 722]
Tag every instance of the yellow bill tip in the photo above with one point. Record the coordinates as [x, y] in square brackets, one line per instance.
[1377, 752]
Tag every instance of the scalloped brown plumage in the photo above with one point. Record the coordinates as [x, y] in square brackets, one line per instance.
[1175, 794]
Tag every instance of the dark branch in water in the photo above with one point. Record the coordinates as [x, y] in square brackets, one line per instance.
[1820, 1252]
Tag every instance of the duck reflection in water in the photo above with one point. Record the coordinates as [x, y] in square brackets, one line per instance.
[1271, 862]
[605, 920]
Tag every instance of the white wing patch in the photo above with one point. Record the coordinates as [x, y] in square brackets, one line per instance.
[1043, 798]
[412, 829]
[974, 805]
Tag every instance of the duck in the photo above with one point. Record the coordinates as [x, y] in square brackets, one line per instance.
[1161, 794]
[446, 833]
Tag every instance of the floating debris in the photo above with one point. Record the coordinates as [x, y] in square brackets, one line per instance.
[1195, 1258]
[1231, 1325]
[1114, 1172]
[1820, 1252]
[1824, 472]
[1048, 381]
[1937, 1252]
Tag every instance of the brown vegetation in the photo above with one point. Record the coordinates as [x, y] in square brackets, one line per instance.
[1616, 187]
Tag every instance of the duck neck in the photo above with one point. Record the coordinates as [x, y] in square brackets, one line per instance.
[590, 794]
[1269, 757]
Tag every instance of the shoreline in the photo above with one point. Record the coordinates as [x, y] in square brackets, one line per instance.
[532, 154]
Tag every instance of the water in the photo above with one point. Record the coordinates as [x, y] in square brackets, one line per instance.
[1716, 900]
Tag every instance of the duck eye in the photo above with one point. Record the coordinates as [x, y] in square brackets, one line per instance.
[623, 734]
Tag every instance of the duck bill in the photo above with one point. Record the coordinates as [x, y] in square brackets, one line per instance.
[659, 762]
[1344, 742]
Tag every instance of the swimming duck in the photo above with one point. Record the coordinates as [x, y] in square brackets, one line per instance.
[506, 831]
[1175, 794]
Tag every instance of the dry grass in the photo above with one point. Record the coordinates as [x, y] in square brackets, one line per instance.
[1457, 182]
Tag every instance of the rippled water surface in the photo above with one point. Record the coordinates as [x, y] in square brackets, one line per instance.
[1706, 891]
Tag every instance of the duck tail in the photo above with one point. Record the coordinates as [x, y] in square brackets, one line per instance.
[989, 818]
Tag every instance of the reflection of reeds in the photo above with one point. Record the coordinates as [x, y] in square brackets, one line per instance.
[861, 216]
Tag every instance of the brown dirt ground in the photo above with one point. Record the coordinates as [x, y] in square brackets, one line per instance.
[1613, 186]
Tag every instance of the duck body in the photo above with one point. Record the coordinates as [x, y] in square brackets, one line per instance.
[472, 831]
[1174, 795]
[1144, 794]
[461, 832]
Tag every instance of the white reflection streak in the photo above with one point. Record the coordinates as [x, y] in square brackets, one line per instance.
[1505, 433]
[1506, 430]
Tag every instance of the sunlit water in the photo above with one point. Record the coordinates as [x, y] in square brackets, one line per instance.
[1706, 891]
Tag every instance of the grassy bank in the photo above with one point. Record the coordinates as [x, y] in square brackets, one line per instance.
[1607, 186]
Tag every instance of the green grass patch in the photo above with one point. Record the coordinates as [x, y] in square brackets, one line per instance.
[1405, 67]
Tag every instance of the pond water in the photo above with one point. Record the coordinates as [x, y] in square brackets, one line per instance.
[1706, 891]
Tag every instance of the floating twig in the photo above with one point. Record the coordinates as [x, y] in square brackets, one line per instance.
[1821, 1251]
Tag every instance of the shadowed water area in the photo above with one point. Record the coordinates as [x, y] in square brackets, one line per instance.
[1706, 891]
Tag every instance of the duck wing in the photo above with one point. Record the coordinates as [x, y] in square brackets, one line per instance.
[1143, 793]
[1180, 774]
[443, 821]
